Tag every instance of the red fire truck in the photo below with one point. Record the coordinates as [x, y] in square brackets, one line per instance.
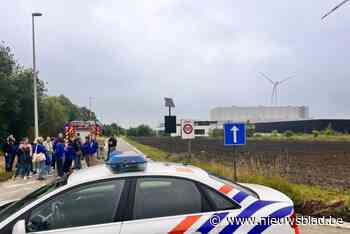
[84, 128]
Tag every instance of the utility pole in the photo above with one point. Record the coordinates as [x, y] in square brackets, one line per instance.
[36, 120]
[90, 106]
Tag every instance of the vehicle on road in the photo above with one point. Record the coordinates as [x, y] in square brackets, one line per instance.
[130, 194]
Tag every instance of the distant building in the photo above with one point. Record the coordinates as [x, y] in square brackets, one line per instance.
[201, 128]
[256, 114]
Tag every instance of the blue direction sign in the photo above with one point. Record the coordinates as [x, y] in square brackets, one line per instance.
[234, 134]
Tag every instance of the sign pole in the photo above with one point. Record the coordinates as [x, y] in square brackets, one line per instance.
[189, 150]
[235, 163]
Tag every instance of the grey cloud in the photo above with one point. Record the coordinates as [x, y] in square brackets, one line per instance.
[130, 54]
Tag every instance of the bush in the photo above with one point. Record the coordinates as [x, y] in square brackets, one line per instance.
[250, 129]
[315, 133]
[288, 133]
[328, 131]
[258, 135]
[216, 133]
[274, 133]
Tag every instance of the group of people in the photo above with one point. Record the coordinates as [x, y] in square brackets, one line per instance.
[53, 155]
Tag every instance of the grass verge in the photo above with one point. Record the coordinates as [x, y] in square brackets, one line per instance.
[308, 200]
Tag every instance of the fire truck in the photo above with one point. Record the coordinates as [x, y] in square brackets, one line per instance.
[82, 128]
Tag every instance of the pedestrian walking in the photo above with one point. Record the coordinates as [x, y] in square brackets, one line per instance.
[54, 144]
[87, 151]
[112, 145]
[40, 158]
[78, 152]
[94, 149]
[10, 149]
[59, 156]
[49, 149]
[24, 159]
[69, 153]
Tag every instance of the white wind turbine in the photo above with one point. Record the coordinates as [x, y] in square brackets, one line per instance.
[275, 85]
[334, 9]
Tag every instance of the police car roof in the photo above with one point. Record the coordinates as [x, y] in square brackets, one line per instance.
[153, 168]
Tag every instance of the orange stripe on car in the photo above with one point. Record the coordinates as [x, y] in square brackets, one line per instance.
[183, 169]
[185, 224]
[225, 189]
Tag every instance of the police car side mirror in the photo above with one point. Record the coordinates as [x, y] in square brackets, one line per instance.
[19, 228]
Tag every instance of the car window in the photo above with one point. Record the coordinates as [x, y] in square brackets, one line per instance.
[16, 206]
[219, 201]
[235, 185]
[85, 205]
[159, 197]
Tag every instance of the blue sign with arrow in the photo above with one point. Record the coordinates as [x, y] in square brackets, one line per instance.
[235, 133]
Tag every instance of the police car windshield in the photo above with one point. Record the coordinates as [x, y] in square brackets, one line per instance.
[234, 185]
[16, 206]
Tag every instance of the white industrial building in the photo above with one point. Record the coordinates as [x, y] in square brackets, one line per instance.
[256, 114]
[201, 128]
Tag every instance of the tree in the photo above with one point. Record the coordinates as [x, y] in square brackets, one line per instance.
[17, 102]
[113, 129]
[141, 131]
[55, 115]
[250, 129]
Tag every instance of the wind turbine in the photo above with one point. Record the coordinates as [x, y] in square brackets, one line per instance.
[275, 85]
[334, 9]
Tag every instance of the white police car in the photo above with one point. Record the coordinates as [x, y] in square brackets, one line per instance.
[128, 195]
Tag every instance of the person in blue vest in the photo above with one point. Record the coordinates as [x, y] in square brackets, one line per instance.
[39, 148]
[54, 144]
[94, 148]
[87, 151]
[69, 153]
[59, 156]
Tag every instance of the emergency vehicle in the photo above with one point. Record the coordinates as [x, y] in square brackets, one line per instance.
[84, 128]
[130, 194]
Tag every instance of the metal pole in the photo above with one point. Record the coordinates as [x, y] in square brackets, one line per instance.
[189, 150]
[235, 163]
[36, 122]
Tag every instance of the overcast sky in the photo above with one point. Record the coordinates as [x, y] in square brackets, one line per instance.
[130, 54]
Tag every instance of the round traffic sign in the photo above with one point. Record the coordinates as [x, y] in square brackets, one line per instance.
[188, 128]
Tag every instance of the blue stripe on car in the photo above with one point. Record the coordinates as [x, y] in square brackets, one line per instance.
[281, 213]
[246, 213]
[239, 197]
[210, 225]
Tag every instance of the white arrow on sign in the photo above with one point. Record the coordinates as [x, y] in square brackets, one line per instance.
[234, 129]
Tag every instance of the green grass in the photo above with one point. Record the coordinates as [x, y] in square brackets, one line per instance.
[296, 137]
[309, 200]
[302, 137]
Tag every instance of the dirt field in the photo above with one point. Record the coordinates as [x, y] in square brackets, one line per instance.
[316, 163]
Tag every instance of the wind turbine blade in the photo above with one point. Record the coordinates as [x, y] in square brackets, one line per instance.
[334, 9]
[285, 79]
[273, 95]
[267, 78]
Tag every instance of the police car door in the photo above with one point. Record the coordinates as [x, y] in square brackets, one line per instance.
[175, 205]
[88, 208]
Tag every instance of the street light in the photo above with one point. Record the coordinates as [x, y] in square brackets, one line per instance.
[36, 122]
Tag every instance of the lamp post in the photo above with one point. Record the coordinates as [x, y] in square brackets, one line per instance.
[36, 122]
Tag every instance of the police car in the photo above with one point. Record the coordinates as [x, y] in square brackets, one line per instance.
[132, 195]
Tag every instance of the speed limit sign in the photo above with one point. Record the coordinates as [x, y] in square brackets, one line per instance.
[187, 129]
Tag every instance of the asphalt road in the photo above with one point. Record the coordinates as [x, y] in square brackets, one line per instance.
[19, 188]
